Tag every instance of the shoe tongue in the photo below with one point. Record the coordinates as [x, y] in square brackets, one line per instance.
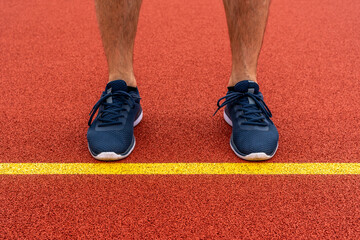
[247, 86]
[116, 85]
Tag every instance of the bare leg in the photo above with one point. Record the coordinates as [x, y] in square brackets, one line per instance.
[246, 21]
[118, 22]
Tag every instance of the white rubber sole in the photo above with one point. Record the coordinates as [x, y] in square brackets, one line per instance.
[137, 121]
[111, 156]
[258, 156]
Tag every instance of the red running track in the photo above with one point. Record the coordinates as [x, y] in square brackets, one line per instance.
[181, 207]
[53, 71]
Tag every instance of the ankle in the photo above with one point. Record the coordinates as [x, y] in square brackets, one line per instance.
[235, 78]
[128, 78]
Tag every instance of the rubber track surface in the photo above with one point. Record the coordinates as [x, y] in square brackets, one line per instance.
[53, 70]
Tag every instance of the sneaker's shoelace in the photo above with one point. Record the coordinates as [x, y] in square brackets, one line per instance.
[112, 111]
[251, 112]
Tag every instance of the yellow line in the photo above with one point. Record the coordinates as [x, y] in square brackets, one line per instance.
[179, 168]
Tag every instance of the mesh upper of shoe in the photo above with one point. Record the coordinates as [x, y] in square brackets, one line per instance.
[118, 137]
[251, 138]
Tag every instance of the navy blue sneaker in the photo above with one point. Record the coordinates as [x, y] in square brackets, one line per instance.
[111, 134]
[254, 136]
